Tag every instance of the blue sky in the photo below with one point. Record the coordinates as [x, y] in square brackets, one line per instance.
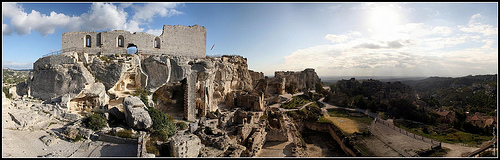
[337, 39]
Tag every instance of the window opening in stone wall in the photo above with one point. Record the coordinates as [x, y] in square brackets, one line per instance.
[87, 41]
[157, 42]
[98, 39]
[120, 41]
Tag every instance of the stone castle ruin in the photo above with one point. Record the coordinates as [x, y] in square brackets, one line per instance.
[94, 73]
[188, 41]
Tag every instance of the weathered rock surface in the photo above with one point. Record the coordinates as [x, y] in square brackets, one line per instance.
[28, 119]
[136, 114]
[57, 75]
[185, 145]
[47, 140]
[107, 73]
[94, 93]
[158, 69]
[304, 80]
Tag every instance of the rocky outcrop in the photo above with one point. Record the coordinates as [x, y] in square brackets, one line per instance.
[56, 75]
[136, 114]
[93, 95]
[251, 102]
[303, 81]
[256, 76]
[107, 73]
[185, 145]
[158, 69]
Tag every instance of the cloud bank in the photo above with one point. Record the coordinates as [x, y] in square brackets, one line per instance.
[109, 16]
[419, 50]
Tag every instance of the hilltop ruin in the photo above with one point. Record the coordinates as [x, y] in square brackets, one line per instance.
[223, 102]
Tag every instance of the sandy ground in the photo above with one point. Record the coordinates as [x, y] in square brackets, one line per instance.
[276, 149]
[378, 148]
[347, 125]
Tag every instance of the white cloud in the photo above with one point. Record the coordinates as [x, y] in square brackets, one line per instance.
[148, 11]
[418, 50]
[476, 27]
[488, 43]
[486, 30]
[336, 38]
[9, 10]
[104, 16]
[6, 30]
[101, 16]
[156, 32]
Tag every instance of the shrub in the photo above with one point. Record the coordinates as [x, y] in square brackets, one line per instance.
[160, 135]
[151, 148]
[124, 133]
[6, 91]
[181, 125]
[163, 124]
[143, 95]
[77, 138]
[95, 121]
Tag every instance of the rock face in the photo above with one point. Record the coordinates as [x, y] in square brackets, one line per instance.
[136, 114]
[303, 81]
[185, 145]
[107, 73]
[57, 75]
[158, 69]
[251, 101]
[92, 95]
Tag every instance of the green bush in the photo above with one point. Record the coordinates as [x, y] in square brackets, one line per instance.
[151, 148]
[6, 91]
[77, 138]
[181, 125]
[124, 133]
[143, 95]
[95, 121]
[163, 124]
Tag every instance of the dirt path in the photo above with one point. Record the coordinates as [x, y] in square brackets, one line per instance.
[457, 150]
[276, 149]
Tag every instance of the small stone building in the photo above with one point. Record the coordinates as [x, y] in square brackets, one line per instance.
[177, 40]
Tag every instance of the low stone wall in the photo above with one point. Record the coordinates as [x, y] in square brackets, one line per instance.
[116, 139]
[334, 132]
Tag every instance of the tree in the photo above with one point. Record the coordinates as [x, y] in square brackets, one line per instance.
[95, 121]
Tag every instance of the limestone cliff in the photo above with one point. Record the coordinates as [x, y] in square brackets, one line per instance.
[304, 80]
[215, 92]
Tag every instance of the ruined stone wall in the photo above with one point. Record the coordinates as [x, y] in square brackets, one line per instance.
[77, 39]
[188, 41]
[178, 40]
[109, 41]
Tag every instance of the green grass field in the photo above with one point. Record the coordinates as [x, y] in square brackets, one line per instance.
[454, 137]
[297, 101]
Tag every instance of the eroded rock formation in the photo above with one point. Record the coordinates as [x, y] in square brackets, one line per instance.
[223, 100]
[136, 114]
